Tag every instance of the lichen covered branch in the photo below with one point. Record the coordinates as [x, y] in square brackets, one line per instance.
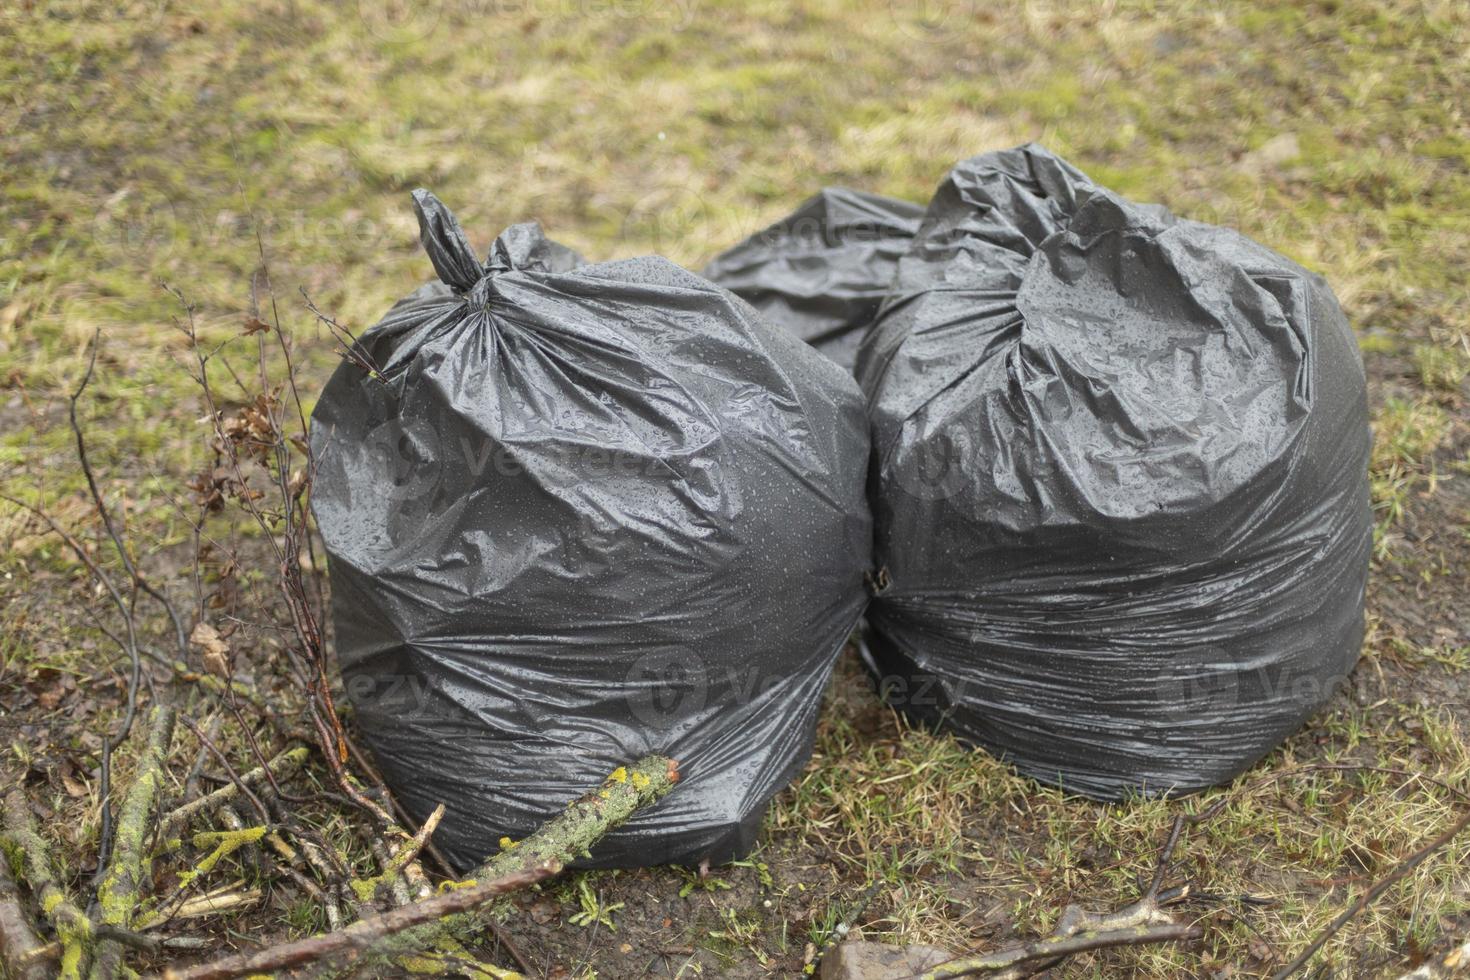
[130, 867]
[280, 766]
[19, 945]
[32, 856]
[426, 924]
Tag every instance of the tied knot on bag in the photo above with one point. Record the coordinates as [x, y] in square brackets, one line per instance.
[877, 582]
[479, 295]
[521, 247]
[450, 252]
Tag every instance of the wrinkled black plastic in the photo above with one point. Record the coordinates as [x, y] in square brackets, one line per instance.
[1120, 483]
[823, 271]
[585, 513]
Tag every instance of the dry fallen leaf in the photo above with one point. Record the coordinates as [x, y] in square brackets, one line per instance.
[213, 650]
[74, 787]
[10, 314]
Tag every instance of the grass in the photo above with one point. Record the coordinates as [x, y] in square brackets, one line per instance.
[966, 846]
[147, 143]
[1406, 435]
[1442, 367]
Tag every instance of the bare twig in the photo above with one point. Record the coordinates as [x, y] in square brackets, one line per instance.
[235, 779]
[351, 349]
[281, 766]
[1078, 930]
[399, 867]
[1347, 915]
[258, 435]
[99, 503]
[408, 854]
[128, 641]
[322, 860]
[196, 769]
[44, 957]
[1056, 947]
[226, 898]
[423, 924]
[105, 513]
[414, 885]
[352, 942]
[365, 765]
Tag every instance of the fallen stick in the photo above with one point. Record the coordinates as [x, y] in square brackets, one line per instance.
[131, 864]
[227, 898]
[568, 837]
[408, 854]
[391, 880]
[225, 843]
[421, 924]
[376, 778]
[362, 936]
[282, 765]
[1059, 946]
[48, 953]
[1078, 930]
[410, 884]
[585, 820]
[19, 944]
[73, 928]
[1382, 885]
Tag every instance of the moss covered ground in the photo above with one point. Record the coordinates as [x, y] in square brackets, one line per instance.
[149, 143]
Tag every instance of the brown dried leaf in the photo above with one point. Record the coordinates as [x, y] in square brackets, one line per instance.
[214, 652]
[75, 788]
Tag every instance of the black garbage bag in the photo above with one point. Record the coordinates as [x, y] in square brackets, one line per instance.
[823, 271]
[578, 514]
[1120, 483]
